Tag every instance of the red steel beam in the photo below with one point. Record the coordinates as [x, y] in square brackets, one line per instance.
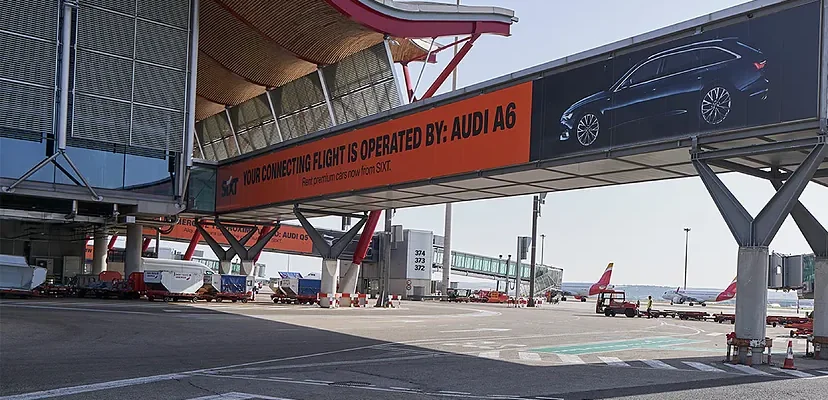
[264, 231]
[146, 244]
[112, 240]
[365, 238]
[450, 67]
[188, 255]
[439, 49]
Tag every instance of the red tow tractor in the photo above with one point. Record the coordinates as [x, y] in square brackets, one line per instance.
[611, 302]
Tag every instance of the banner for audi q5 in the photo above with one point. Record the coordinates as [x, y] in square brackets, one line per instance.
[758, 72]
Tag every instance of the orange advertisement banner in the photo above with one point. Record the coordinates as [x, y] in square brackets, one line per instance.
[488, 131]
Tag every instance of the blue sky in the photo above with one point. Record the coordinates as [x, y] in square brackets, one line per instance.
[637, 226]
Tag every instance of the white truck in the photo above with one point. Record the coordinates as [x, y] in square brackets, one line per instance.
[173, 280]
[19, 278]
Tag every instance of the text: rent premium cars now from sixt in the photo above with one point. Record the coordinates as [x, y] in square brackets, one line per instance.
[700, 83]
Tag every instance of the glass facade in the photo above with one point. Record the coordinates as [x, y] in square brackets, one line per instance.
[103, 165]
[201, 189]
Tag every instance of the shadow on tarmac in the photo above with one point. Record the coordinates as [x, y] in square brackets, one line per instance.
[49, 344]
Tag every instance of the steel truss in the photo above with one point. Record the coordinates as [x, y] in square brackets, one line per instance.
[333, 249]
[237, 246]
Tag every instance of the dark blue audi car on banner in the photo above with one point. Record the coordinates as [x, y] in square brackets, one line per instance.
[706, 84]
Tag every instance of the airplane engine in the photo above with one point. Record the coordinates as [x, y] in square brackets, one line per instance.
[678, 299]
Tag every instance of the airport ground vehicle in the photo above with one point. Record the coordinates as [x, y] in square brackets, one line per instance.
[459, 295]
[227, 287]
[611, 302]
[295, 290]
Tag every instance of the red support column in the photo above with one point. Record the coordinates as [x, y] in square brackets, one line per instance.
[265, 230]
[188, 255]
[450, 67]
[365, 238]
[112, 240]
[146, 244]
[409, 89]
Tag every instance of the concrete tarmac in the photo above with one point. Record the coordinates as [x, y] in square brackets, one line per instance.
[98, 349]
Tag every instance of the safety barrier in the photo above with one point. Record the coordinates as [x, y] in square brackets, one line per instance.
[345, 300]
[394, 297]
[747, 345]
[329, 300]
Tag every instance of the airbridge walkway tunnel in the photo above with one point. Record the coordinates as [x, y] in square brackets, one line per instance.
[733, 91]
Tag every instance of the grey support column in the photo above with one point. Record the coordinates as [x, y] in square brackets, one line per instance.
[237, 247]
[134, 243]
[99, 251]
[821, 302]
[754, 235]
[330, 252]
[817, 237]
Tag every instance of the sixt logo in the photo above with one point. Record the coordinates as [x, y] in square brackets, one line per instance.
[229, 187]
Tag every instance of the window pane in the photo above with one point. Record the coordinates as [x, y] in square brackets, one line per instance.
[680, 62]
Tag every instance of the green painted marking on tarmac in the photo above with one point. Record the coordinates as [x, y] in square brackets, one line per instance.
[658, 343]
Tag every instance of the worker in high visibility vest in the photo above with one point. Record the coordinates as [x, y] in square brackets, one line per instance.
[649, 305]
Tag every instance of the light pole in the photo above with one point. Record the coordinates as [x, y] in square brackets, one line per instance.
[686, 241]
[538, 200]
[499, 264]
[543, 241]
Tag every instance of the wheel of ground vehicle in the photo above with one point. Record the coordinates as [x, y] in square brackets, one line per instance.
[716, 105]
[563, 298]
[607, 312]
[774, 324]
[691, 304]
[233, 300]
[167, 299]
[276, 301]
[583, 299]
[244, 300]
[587, 129]
[793, 333]
[218, 300]
[630, 313]
[194, 299]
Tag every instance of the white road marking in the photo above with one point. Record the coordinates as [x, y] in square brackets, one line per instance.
[823, 372]
[453, 392]
[570, 359]
[173, 311]
[798, 374]
[68, 391]
[238, 396]
[403, 388]
[613, 361]
[716, 334]
[747, 369]
[658, 364]
[702, 366]
[478, 330]
[490, 354]
[334, 363]
[318, 381]
[529, 356]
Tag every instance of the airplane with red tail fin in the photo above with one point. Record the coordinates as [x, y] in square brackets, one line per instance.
[582, 291]
[700, 296]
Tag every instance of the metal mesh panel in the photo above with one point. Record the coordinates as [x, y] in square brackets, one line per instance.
[36, 18]
[160, 86]
[152, 127]
[213, 132]
[105, 31]
[209, 154]
[27, 60]
[308, 121]
[367, 101]
[244, 142]
[161, 45]
[113, 81]
[367, 67]
[361, 84]
[170, 12]
[230, 145]
[101, 119]
[122, 6]
[251, 113]
[297, 95]
[25, 108]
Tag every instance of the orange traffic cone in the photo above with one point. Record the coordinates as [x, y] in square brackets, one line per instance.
[789, 363]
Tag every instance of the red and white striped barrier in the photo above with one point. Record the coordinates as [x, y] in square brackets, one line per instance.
[329, 300]
[346, 300]
[394, 297]
[361, 300]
